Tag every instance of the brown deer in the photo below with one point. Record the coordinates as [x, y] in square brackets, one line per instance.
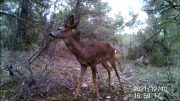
[87, 53]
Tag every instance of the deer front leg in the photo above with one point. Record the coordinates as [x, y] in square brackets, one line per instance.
[83, 70]
[93, 67]
[109, 72]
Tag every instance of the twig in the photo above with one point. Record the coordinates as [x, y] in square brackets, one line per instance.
[12, 74]
[169, 21]
[38, 53]
[7, 81]
[43, 47]
[171, 3]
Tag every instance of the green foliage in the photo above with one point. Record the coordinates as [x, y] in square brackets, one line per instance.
[64, 97]
[19, 24]
[124, 39]
[134, 53]
[119, 21]
[160, 39]
[157, 58]
[133, 21]
[6, 90]
[94, 24]
[114, 40]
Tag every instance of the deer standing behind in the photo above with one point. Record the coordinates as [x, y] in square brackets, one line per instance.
[87, 53]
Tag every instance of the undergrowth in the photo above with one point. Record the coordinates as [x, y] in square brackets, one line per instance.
[16, 83]
[153, 83]
[146, 83]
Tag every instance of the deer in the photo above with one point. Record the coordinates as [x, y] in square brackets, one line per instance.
[88, 54]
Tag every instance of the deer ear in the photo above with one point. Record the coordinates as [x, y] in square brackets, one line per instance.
[70, 21]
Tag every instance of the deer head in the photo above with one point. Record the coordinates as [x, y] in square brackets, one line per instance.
[65, 30]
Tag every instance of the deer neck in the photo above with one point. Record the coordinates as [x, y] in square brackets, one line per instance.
[73, 45]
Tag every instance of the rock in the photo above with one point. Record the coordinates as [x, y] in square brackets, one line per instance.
[84, 85]
[142, 61]
[108, 97]
[139, 61]
[91, 99]
[71, 89]
[146, 61]
[78, 69]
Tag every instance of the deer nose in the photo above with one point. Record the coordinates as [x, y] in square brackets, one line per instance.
[51, 34]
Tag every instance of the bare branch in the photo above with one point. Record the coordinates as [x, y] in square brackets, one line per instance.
[173, 6]
[38, 53]
[169, 21]
[11, 72]
[152, 37]
[36, 25]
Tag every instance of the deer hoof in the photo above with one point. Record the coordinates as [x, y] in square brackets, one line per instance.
[74, 100]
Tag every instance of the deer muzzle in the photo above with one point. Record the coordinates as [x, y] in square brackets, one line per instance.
[52, 37]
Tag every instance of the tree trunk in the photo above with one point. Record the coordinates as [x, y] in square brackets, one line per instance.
[77, 34]
[1, 1]
[21, 31]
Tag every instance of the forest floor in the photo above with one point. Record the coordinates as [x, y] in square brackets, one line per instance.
[144, 82]
[65, 70]
[140, 82]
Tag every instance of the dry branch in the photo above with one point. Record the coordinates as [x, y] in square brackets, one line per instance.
[36, 25]
[11, 72]
[152, 37]
[44, 45]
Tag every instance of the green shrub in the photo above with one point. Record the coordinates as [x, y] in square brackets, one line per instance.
[134, 53]
[157, 59]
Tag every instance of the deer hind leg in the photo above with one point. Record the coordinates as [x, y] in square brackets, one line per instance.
[118, 63]
[93, 67]
[81, 76]
[104, 64]
[112, 61]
